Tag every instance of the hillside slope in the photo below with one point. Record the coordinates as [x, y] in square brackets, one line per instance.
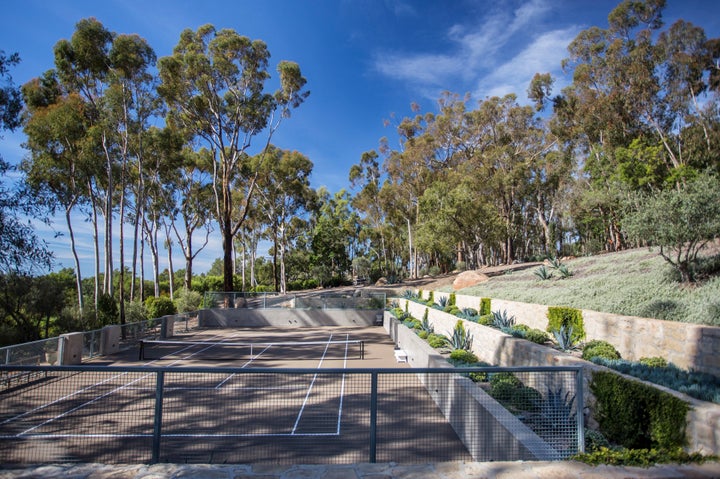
[634, 282]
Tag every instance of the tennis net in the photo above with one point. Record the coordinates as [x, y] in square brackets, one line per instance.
[234, 351]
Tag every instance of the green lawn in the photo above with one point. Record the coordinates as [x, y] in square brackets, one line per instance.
[634, 283]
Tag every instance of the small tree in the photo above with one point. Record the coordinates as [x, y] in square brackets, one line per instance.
[681, 221]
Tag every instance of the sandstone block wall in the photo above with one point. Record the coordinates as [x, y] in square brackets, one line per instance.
[689, 346]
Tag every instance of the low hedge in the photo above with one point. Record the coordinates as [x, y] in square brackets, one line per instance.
[638, 416]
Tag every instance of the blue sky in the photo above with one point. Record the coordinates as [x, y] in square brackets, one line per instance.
[365, 60]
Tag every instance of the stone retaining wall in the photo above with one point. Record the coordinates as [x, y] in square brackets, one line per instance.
[500, 349]
[689, 346]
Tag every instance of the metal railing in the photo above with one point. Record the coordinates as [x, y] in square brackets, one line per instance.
[352, 300]
[45, 351]
[289, 416]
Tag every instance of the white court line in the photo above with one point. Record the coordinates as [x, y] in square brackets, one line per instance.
[68, 396]
[86, 389]
[342, 387]
[312, 383]
[249, 361]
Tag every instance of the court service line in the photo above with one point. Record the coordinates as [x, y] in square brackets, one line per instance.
[312, 383]
[247, 363]
[89, 388]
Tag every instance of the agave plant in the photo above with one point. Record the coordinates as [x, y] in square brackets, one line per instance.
[556, 411]
[564, 338]
[502, 319]
[543, 273]
[443, 301]
[460, 338]
[555, 263]
[426, 325]
[564, 271]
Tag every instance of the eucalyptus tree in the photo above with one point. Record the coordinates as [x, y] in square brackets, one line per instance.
[333, 233]
[130, 102]
[21, 251]
[82, 66]
[284, 192]
[366, 176]
[56, 129]
[642, 106]
[192, 192]
[214, 85]
[409, 171]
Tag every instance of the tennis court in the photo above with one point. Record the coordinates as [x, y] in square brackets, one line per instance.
[232, 395]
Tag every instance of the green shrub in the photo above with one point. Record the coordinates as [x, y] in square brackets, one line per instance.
[636, 415]
[640, 457]
[599, 348]
[504, 386]
[436, 340]
[485, 306]
[463, 356]
[159, 307]
[452, 299]
[107, 310]
[135, 312]
[594, 440]
[654, 362]
[454, 310]
[188, 300]
[537, 336]
[423, 334]
[486, 319]
[431, 298]
[559, 316]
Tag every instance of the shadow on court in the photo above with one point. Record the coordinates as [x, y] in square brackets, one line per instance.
[243, 416]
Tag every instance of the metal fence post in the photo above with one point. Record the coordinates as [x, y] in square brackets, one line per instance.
[373, 415]
[157, 425]
[579, 396]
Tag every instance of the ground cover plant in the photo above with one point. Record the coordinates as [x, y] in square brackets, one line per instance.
[635, 282]
[705, 387]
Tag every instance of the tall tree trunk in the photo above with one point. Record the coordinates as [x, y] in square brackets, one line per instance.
[76, 259]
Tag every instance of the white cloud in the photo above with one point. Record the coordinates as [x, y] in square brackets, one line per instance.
[479, 52]
[543, 55]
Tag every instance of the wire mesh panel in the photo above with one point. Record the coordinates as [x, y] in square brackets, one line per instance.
[33, 353]
[308, 417]
[512, 413]
[410, 425]
[141, 414]
[67, 416]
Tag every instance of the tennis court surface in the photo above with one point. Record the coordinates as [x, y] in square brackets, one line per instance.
[310, 395]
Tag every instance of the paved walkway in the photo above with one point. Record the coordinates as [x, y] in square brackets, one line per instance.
[454, 470]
